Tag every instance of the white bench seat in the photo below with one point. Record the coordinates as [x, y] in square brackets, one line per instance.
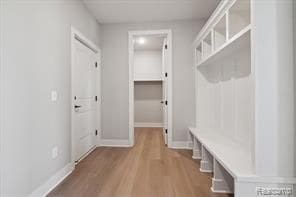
[230, 163]
[233, 157]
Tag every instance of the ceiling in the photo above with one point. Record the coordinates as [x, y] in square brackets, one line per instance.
[132, 11]
[151, 43]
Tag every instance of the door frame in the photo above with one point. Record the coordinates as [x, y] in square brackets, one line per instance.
[78, 36]
[1, 96]
[131, 35]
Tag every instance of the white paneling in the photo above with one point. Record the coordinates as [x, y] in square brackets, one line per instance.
[256, 92]
[147, 65]
[294, 25]
[225, 97]
[274, 99]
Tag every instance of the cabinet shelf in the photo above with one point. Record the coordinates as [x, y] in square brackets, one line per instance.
[241, 39]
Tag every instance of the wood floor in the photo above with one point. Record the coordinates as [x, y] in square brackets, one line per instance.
[149, 169]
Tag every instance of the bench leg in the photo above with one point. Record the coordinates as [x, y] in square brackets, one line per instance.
[222, 182]
[206, 163]
[196, 149]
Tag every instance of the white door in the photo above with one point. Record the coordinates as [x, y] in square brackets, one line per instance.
[165, 90]
[84, 107]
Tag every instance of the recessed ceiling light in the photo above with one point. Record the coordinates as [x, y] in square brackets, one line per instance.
[141, 40]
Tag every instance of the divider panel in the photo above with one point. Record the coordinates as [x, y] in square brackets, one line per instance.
[222, 181]
[206, 163]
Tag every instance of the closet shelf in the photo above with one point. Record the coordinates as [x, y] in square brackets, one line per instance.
[139, 80]
[238, 41]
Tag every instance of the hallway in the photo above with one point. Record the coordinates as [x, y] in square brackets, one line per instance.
[149, 169]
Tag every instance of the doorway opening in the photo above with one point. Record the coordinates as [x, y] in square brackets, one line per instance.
[150, 82]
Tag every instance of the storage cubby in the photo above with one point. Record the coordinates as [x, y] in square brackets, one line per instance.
[198, 54]
[207, 46]
[239, 17]
[220, 33]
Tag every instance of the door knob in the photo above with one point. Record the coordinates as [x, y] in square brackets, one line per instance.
[77, 106]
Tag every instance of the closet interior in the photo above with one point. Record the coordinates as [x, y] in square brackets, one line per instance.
[149, 82]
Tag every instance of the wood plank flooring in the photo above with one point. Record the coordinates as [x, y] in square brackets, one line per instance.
[149, 169]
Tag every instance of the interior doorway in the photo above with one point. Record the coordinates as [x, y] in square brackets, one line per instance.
[150, 81]
[85, 95]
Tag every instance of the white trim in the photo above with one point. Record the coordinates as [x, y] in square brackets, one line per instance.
[196, 158]
[99, 94]
[84, 40]
[182, 145]
[213, 20]
[131, 34]
[206, 171]
[148, 124]
[76, 35]
[53, 181]
[221, 191]
[114, 143]
[1, 98]
[85, 155]
[165, 137]
[268, 180]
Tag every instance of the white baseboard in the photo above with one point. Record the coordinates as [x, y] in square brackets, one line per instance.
[190, 144]
[205, 171]
[221, 191]
[165, 136]
[182, 145]
[86, 154]
[53, 181]
[148, 124]
[114, 143]
[196, 157]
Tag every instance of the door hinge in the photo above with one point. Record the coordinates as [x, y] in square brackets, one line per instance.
[166, 74]
[166, 131]
[166, 46]
[166, 102]
[96, 64]
[96, 98]
[96, 132]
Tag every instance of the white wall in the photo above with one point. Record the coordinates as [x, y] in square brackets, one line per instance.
[115, 74]
[148, 108]
[294, 25]
[147, 64]
[36, 60]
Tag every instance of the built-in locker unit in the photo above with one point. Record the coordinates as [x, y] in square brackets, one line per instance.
[243, 74]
